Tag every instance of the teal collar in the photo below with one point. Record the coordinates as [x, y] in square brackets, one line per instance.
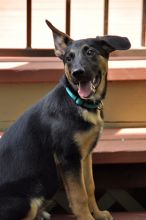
[83, 102]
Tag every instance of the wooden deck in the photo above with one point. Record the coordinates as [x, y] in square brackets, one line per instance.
[117, 216]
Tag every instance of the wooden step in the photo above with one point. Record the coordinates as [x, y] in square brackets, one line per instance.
[31, 69]
[117, 216]
[121, 145]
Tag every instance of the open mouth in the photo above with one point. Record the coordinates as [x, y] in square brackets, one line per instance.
[88, 88]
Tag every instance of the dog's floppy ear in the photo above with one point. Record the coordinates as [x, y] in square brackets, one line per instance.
[61, 40]
[111, 42]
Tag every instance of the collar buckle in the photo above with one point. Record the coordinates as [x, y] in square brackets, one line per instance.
[100, 106]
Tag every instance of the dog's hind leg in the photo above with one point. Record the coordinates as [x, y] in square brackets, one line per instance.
[90, 188]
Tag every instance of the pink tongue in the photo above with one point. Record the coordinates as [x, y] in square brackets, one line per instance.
[84, 89]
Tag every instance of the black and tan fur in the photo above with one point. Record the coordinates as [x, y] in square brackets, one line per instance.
[57, 136]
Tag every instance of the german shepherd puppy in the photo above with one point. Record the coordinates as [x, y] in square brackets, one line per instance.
[58, 134]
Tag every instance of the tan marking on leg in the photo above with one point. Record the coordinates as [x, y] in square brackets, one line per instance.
[90, 188]
[77, 195]
[89, 182]
[34, 207]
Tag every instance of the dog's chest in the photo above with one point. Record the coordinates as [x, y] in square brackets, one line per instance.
[86, 140]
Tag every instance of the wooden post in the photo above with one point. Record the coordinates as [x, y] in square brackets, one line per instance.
[143, 37]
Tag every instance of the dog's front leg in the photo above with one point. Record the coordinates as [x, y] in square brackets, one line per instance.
[72, 175]
[90, 188]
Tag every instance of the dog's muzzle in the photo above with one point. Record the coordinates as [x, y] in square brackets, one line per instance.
[86, 86]
[78, 75]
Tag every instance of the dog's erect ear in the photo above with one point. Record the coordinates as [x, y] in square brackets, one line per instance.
[61, 40]
[111, 42]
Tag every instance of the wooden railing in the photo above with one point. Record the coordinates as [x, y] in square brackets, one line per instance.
[29, 51]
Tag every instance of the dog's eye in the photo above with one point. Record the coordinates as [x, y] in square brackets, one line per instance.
[90, 52]
[68, 58]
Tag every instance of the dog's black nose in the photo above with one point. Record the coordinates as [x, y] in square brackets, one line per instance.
[78, 73]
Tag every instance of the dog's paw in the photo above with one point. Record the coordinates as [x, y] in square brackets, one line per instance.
[103, 215]
[46, 215]
[43, 216]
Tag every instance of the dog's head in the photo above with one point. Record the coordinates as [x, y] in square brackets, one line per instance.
[86, 60]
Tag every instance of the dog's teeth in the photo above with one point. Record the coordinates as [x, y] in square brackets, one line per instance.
[94, 81]
[93, 88]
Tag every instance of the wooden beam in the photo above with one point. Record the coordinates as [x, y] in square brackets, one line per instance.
[29, 23]
[126, 200]
[27, 52]
[68, 16]
[106, 16]
[143, 37]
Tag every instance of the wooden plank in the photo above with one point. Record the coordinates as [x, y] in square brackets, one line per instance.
[106, 201]
[29, 52]
[11, 70]
[143, 35]
[127, 151]
[117, 216]
[68, 16]
[30, 76]
[119, 158]
[106, 17]
[123, 133]
[121, 196]
[29, 23]
[127, 74]
[113, 146]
